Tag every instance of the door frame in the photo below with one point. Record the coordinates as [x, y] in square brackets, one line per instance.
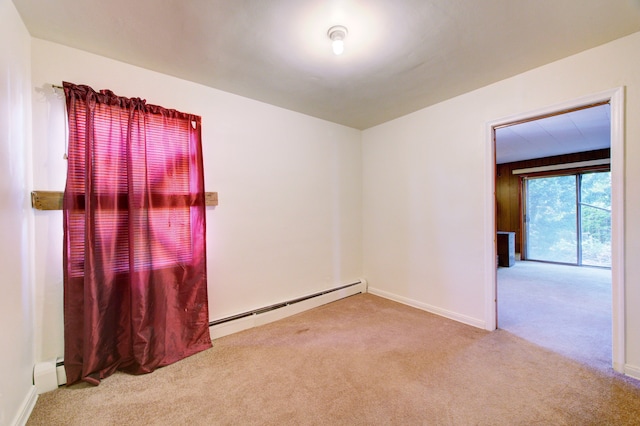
[615, 97]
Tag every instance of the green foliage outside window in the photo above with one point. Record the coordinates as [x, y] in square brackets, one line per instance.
[552, 225]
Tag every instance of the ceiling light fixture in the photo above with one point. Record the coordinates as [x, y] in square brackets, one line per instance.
[337, 33]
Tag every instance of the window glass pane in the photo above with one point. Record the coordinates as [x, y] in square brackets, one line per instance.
[595, 219]
[551, 219]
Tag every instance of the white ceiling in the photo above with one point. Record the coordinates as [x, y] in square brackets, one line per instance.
[400, 55]
[582, 130]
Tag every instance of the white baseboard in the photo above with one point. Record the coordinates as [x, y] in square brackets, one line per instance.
[432, 309]
[26, 408]
[632, 371]
[255, 320]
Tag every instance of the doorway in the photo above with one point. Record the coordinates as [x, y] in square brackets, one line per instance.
[614, 98]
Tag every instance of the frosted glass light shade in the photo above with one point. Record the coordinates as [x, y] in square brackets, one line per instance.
[337, 34]
[338, 46]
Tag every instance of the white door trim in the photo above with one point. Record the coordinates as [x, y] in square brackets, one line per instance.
[616, 99]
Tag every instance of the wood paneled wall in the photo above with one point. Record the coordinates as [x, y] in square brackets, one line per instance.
[508, 190]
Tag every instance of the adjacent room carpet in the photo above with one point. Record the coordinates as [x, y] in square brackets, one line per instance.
[360, 360]
[564, 308]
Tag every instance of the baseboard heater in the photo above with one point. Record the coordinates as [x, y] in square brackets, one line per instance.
[243, 321]
[278, 305]
[50, 374]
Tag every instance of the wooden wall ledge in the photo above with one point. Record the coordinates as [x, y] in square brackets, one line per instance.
[52, 200]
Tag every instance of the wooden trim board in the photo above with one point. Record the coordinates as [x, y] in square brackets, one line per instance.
[52, 200]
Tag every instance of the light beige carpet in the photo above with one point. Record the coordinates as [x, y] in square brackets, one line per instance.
[360, 360]
[564, 308]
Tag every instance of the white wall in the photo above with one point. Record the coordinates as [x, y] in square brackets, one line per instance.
[295, 191]
[16, 302]
[425, 186]
[289, 219]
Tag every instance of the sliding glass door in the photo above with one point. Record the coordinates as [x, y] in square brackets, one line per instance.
[550, 219]
[568, 219]
[595, 219]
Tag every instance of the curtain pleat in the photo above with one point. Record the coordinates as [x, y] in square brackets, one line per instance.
[135, 283]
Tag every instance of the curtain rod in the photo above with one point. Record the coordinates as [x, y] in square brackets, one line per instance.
[55, 86]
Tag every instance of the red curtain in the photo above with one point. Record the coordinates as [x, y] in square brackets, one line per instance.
[135, 285]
